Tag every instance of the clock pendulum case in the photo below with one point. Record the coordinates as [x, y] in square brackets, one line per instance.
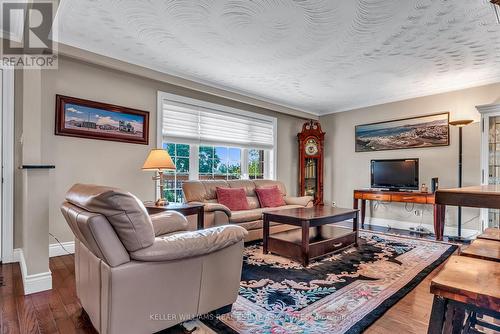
[311, 156]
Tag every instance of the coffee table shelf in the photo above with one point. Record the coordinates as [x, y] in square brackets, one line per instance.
[316, 236]
[323, 240]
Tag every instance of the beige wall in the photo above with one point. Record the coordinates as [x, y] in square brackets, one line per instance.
[119, 164]
[347, 170]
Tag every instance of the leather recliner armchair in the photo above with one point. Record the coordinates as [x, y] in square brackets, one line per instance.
[137, 273]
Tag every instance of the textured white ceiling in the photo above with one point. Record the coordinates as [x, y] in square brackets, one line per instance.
[319, 56]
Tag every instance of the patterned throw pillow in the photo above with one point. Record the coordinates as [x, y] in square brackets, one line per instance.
[234, 198]
[270, 197]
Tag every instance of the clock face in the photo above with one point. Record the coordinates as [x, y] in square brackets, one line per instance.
[311, 147]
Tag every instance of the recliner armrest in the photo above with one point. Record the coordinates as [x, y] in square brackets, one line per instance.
[189, 244]
[212, 207]
[303, 200]
[168, 222]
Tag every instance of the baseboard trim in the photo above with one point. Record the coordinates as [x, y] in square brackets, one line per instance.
[16, 255]
[41, 281]
[64, 248]
[448, 230]
[36, 282]
[54, 250]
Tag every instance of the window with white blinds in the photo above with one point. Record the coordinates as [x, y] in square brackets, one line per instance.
[212, 142]
[185, 120]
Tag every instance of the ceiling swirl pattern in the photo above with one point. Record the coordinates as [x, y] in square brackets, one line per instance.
[319, 56]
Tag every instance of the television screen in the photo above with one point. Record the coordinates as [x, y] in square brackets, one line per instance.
[401, 174]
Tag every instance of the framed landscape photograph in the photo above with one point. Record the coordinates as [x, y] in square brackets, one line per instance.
[95, 120]
[415, 132]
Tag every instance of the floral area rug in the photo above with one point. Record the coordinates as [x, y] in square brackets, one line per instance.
[341, 293]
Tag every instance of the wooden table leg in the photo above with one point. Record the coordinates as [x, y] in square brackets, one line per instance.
[457, 322]
[355, 228]
[439, 219]
[443, 219]
[363, 212]
[436, 221]
[265, 234]
[438, 312]
[305, 243]
[201, 219]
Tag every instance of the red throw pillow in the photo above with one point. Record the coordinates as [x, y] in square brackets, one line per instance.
[270, 197]
[234, 198]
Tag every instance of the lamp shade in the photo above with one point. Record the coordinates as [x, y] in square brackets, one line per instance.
[158, 159]
[461, 123]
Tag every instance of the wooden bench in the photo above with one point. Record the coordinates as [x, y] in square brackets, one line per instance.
[483, 249]
[464, 286]
[490, 234]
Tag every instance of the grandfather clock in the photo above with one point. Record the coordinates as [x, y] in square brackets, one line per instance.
[311, 154]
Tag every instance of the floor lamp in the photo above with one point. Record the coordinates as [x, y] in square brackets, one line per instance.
[460, 124]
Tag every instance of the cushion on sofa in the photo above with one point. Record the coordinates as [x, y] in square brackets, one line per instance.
[270, 197]
[291, 206]
[246, 216]
[251, 219]
[256, 224]
[234, 198]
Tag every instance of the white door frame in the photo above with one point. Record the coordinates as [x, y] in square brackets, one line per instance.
[7, 219]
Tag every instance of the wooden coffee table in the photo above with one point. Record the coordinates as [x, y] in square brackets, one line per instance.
[316, 237]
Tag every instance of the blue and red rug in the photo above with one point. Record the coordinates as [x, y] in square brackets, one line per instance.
[342, 293]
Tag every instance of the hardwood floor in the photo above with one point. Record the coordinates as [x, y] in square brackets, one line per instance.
[54, 311]
[411, 314]
[58, 310]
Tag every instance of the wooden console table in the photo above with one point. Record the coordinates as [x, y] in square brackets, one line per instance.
[401, 197]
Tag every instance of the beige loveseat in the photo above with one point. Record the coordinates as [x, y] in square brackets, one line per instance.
[138, 274]
[218, 214]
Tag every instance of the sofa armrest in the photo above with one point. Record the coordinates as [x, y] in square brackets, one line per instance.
[212, 207]
[303, 200]
[168, 222]
[189, 244]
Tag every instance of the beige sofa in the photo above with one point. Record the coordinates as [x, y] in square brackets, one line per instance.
[217, 214]
[139, 274]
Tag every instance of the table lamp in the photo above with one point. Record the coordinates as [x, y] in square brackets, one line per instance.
[460, 124]
[159, 160]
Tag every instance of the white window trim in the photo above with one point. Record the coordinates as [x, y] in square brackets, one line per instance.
[244, 164]
[269, 155]
[194, 161]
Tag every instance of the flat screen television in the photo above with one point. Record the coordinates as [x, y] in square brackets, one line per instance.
[395, 174]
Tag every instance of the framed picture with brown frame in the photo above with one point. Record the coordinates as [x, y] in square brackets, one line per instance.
[96, 120]
[413, 132]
